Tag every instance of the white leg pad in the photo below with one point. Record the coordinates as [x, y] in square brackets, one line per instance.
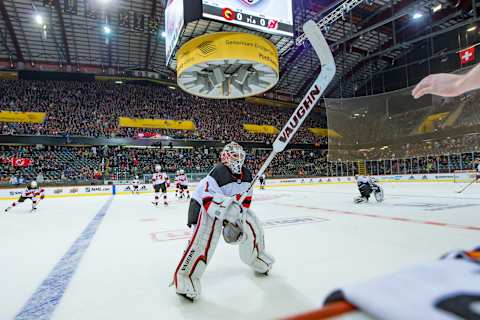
[196, 257]
[252, 250]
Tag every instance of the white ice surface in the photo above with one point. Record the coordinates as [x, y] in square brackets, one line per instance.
[125, 272]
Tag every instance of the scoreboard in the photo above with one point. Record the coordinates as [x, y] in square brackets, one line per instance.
[269, 16]
[174, 21]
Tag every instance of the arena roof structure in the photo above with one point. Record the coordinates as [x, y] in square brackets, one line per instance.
[124, 35]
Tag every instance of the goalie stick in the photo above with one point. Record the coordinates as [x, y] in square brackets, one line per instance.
[467, 186]
[320, 45]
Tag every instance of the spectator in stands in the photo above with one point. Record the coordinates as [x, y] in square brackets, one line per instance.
[13, 180]
[79, 164]
[93, 108]
[40, 178]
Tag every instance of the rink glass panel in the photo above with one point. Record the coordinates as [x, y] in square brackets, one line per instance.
[396, 126]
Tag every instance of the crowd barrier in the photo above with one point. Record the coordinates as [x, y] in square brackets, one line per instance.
[123, 189]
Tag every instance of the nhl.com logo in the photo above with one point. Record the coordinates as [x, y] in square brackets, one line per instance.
[207, 48]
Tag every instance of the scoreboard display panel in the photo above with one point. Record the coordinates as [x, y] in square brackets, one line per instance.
[174, 21]
[269, 16]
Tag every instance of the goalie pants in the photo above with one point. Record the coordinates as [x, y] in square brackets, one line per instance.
[202, 246]
[365, 190]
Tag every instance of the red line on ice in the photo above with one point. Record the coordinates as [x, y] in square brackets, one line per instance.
[399, 219]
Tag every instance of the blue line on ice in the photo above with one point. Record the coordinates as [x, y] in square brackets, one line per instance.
[43, 302]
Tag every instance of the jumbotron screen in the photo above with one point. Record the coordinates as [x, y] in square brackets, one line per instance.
[174, 22]
[269, 16]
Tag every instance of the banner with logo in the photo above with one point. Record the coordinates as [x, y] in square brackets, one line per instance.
[467, 55]
[324, 132]
[227, 45]
[432, 121]
[156, 123]
[61, 192]
[22, 117]
[264, 129]
[21, 162]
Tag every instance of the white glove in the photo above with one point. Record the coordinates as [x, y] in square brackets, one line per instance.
[225, 209]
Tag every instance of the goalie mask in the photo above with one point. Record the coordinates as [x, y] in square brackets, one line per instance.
[233, 157]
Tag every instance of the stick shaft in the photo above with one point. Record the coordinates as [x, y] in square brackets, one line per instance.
[307, 104]
[468, 185]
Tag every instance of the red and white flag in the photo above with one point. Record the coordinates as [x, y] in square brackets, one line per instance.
[467, 55]
[21, 162]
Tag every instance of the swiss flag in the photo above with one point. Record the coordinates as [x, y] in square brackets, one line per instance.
[467, 55]
[21, 162]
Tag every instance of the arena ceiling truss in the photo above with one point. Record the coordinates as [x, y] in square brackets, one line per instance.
[72, 34]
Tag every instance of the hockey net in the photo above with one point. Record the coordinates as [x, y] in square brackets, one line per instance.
[464, 176]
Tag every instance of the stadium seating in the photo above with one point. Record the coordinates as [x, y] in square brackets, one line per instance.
[121, 163]
[92, 109]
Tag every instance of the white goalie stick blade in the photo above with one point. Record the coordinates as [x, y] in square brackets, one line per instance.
[320, 45]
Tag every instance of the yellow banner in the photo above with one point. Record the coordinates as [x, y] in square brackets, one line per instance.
[156, 123]
[428, 125]
[270, 102]
[325, 132]
[22, 117]
[222, 46]
[255, 128]
[8, 75]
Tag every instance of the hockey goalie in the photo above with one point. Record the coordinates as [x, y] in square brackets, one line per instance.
[214, 211]
[367, 186]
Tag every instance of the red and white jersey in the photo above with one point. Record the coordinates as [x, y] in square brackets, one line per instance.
[183, 180]
[222, 182]
[136, 182]
[159, 178]
[176, 180]
[30, 192]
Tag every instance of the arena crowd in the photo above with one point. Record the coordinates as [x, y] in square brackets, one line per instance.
[92, 109]
[98, 163]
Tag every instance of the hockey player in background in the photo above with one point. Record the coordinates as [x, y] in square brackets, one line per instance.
[367, 185]
[214, 210]
[32, 192]
[476, 166]
[136, 185]
[161, 182]
[183, 185]
[262, 180]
